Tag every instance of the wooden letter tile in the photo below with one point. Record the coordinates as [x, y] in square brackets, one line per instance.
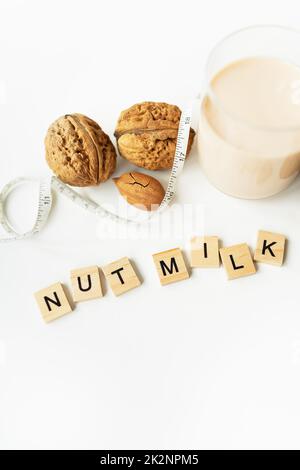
[121, 276]
[53, 302]
[270, 248]
[86, 283]
[205, 252]
[237, 261]
[170, 266]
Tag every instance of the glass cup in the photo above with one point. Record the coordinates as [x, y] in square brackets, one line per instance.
[246, 157]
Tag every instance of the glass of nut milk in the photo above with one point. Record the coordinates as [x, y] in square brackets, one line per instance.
[249, 127]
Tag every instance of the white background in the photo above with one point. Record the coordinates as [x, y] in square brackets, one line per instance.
[205, 363]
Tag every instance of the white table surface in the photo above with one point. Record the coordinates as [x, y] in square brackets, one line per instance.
[205, 363]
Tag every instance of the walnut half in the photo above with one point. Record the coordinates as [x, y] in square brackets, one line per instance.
[140, 190]
[147, 132]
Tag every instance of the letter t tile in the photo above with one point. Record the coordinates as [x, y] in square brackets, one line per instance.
[121, 276]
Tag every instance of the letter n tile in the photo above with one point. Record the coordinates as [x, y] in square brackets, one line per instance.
[53, 302]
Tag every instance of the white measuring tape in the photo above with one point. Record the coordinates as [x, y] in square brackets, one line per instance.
[46, 184]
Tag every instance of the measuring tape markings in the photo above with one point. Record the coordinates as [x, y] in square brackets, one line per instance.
[46, 184]
[180, 155]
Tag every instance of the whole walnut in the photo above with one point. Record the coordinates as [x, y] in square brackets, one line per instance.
[147, 132]
[78, 151]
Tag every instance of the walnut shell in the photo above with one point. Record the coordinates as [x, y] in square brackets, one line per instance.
[146, 134]
[78, 151]
[140, 190]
